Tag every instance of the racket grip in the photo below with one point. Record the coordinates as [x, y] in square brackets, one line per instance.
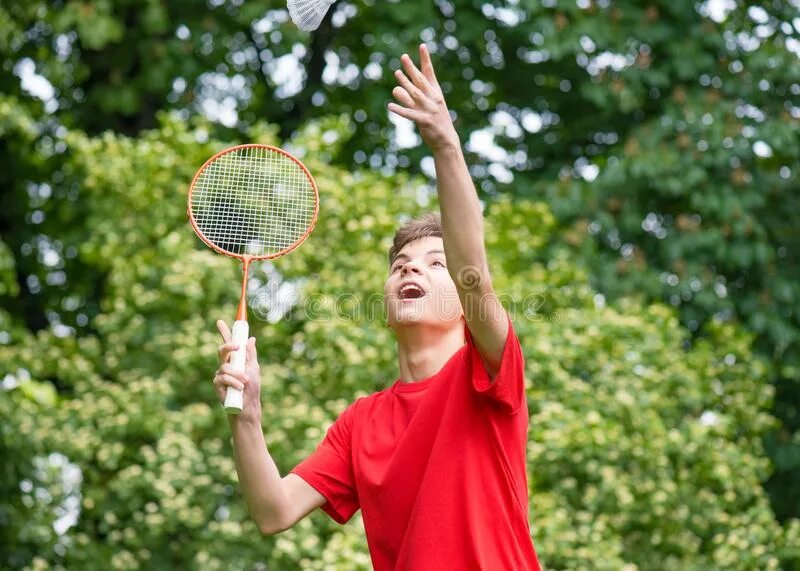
[234, 398]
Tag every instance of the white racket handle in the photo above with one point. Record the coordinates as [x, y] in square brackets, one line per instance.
[234, 398]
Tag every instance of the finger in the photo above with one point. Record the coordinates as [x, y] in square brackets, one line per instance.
[224, 330]
[225, 350]
[224, 380]
[227, 369]
[402, 96]
[408, 86]
[415, 74]
[412, 114]
[427, 65]
[252, 355]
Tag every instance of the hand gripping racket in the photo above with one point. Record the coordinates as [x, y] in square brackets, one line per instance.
[251, 202]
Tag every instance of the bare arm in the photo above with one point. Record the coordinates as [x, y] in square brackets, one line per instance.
[462, 230]
[422, 101]
[275, 503]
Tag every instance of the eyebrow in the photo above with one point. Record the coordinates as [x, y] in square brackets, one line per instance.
[398, 256]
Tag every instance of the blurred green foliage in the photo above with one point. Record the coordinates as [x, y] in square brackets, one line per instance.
[639, 156]
[645, 450]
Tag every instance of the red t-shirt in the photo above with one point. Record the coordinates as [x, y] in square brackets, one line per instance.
[437, 468]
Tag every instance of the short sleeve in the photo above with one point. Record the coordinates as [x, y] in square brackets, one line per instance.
[507, 388]
[329, 469]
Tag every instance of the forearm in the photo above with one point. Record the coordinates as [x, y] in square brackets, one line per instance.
[462, 219]
[421, 99]
[258, 475]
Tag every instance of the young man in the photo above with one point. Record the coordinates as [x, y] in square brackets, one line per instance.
[436, 462]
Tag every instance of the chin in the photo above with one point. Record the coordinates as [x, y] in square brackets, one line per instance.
[404, 317]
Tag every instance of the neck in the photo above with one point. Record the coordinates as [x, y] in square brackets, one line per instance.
[422, 351]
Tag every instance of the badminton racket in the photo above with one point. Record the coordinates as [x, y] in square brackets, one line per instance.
[251, 202]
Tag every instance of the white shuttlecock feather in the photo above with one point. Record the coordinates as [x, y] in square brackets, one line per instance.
[308, 14]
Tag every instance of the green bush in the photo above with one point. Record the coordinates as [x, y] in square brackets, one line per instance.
[645, 447]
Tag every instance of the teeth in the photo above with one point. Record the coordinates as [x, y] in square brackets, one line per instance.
[409, 288]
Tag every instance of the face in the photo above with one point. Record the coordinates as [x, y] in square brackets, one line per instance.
[419, 289]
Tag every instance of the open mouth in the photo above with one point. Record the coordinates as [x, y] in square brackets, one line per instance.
[411, 291]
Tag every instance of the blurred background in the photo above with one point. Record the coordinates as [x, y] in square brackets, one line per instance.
[638, 163]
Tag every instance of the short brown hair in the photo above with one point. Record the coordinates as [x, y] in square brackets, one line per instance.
[426, 225]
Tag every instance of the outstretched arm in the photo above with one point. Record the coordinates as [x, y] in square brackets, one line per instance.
[421, 100]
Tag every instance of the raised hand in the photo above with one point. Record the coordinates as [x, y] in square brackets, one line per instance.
[421, 100]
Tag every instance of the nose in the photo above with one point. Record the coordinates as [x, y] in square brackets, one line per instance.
[410, 266]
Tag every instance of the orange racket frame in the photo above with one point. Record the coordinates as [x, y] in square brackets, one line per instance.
[241, 314]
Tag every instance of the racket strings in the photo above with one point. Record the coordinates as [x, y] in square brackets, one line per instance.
[253, 201]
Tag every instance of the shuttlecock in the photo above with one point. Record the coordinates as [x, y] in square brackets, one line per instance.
[308, 14]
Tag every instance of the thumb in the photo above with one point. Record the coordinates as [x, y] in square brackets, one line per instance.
[252, 355]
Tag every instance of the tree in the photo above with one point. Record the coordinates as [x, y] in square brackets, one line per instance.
[662, 135]
[645, 449]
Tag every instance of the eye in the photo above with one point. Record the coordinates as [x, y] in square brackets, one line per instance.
[437, 262]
